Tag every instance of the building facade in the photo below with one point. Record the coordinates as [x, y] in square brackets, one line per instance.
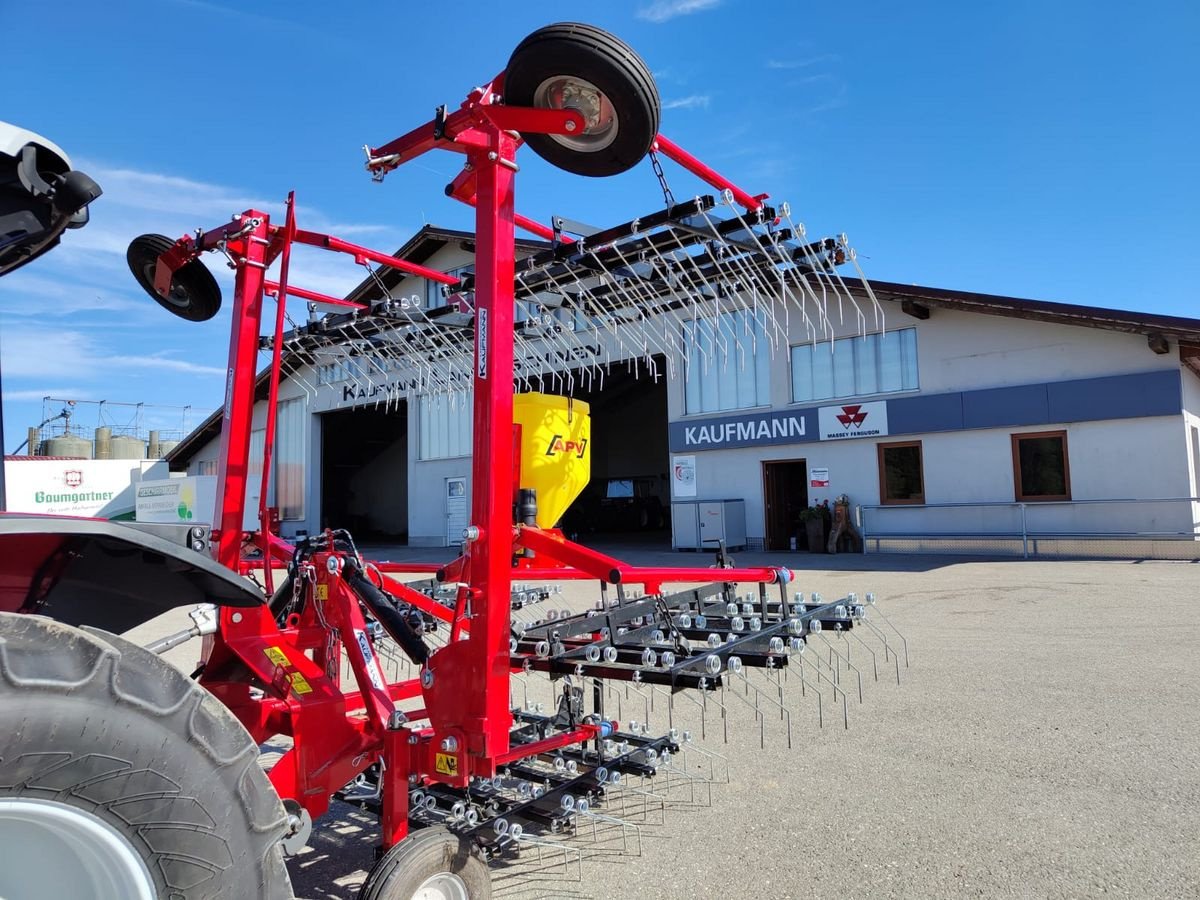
[956, 414]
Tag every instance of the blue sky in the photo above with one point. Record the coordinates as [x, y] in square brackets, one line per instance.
[1039, 149]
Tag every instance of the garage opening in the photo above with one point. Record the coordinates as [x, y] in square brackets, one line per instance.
[785, 496]
[364, 472]
[629, 496]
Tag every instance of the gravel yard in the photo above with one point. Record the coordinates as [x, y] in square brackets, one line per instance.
[1045, 741]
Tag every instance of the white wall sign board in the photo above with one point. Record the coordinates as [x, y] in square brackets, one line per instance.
[683, 476]
[92, 488]
[854, 420]
[818, 478]
[174, 500]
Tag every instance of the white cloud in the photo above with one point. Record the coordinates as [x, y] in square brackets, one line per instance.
[664, 10]
[35, 352]
[803, 62]
[72, 392]
[693, 101]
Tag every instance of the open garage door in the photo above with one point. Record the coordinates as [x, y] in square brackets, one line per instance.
[629, 496]
[364, 472]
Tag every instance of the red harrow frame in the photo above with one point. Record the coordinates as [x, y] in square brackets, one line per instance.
[447, 744]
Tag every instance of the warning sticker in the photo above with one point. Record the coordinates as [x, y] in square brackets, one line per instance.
[300, 684]
[446, 764]
[322, 592]
[277, 656]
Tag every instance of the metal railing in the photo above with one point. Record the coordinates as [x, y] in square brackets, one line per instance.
[1168, 527]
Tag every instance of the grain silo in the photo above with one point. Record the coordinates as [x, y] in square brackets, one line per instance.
[104, 448]
[67, 444]
[127, 446]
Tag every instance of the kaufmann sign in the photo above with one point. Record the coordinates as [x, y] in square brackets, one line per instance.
[854, 420]
[730, 432]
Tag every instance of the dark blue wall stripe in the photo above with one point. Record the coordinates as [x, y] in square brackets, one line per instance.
[1158, 393]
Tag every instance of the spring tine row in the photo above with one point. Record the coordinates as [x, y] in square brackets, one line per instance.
[659, 288]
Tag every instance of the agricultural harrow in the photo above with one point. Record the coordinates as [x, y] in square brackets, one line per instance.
[411, 699]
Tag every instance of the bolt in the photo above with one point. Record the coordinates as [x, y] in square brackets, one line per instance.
[426, 678]
[450, 743]
[396, 720]
[570, 126]
[471, 533]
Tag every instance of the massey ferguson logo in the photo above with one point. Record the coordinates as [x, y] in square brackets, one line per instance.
[852, 415]
[72, 478]
[558, 445]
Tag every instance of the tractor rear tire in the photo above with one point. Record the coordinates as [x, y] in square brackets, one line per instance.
[430, 862]
[108, 752]
[588, 56]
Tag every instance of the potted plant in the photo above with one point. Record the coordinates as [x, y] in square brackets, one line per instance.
[816, 521]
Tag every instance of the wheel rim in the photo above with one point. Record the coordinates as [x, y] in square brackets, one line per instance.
[177, 296]
[601, 122]
[66, 852]
[442, 886]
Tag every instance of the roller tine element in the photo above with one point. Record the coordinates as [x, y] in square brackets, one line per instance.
[888, 622]
[750, 280]
[833, 687]
[888, 652]
[845, 660]
[853, 632]
[525, 838]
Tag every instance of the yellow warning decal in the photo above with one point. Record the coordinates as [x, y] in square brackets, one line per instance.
[300, 684]
[277, 656]
[322, 592]
[446, 764]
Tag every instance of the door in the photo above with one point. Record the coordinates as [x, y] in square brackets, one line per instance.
[785, 494]
[712, 524]
[456, 510]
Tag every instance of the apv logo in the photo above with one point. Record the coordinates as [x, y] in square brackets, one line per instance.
[72, 478]
[558, 445]
[852, 415]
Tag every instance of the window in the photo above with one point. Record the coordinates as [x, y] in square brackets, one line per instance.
[206, 467]
[901, 474]
[435, 291]
[879, 363]
[290, 430]
[1040, 467]
[729, 363]
[1195, 461]
[444, 425]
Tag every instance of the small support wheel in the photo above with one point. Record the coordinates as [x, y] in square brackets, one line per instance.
[581, 67]
[195, 294]
[430, 864]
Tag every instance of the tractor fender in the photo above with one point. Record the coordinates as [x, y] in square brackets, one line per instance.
[108, 575]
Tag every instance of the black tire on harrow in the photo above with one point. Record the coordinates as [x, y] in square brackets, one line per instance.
[423, 855]
[94, 722]
[573, 50]
[195, 294]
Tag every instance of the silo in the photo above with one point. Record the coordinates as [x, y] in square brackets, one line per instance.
[153, 452]
[32, 439]
[125, 446]
[165, 447]
[67, 445]
[104, 449]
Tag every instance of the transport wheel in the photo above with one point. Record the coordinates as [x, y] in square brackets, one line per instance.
[430, 864]
[121, 779]
[581, 67]
[195, 294]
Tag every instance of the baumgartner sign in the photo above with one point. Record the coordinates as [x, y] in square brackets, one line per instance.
[853, 420]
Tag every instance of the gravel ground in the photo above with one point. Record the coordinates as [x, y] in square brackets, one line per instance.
[1044, 741]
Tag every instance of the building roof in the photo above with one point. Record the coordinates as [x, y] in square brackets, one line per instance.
[914, 300]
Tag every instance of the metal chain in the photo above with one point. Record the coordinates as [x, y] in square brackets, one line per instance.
[668, 197]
